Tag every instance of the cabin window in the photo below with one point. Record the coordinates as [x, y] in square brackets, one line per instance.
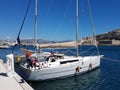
[64, 62]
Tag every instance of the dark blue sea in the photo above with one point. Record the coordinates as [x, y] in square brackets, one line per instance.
[107, 77]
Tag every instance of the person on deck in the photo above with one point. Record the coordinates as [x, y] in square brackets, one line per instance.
[28, 54]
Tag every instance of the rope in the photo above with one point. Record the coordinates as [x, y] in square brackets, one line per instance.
[82, 7]
[87, 50]
[67, 7]
[111, 60]
[49, 8]
[70, 51]
[93, 28]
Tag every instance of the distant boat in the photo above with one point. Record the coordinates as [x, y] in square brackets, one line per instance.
[4, 46]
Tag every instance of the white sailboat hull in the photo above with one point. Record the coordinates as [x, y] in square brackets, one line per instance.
[62, 70]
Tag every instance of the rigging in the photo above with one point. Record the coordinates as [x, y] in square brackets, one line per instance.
[93, 28]
[18, 37]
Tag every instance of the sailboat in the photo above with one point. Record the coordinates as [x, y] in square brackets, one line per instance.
[54, 66]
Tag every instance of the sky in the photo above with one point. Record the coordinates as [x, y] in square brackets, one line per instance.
[57, 18]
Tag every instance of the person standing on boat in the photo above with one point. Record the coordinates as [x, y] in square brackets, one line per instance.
[27, 55]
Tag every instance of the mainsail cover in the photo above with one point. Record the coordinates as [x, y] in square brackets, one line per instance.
[59, 45]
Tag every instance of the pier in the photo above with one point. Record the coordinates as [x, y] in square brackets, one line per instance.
[11, 81]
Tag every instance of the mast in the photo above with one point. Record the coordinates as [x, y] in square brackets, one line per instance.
[76, 28]
[35, 25]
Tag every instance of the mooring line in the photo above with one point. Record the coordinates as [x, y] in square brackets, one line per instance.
[111, 59]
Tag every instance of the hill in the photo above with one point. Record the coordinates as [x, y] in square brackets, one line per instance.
[108, 38]
[109, 35]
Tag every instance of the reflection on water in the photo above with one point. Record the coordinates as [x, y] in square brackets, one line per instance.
[81, 82]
